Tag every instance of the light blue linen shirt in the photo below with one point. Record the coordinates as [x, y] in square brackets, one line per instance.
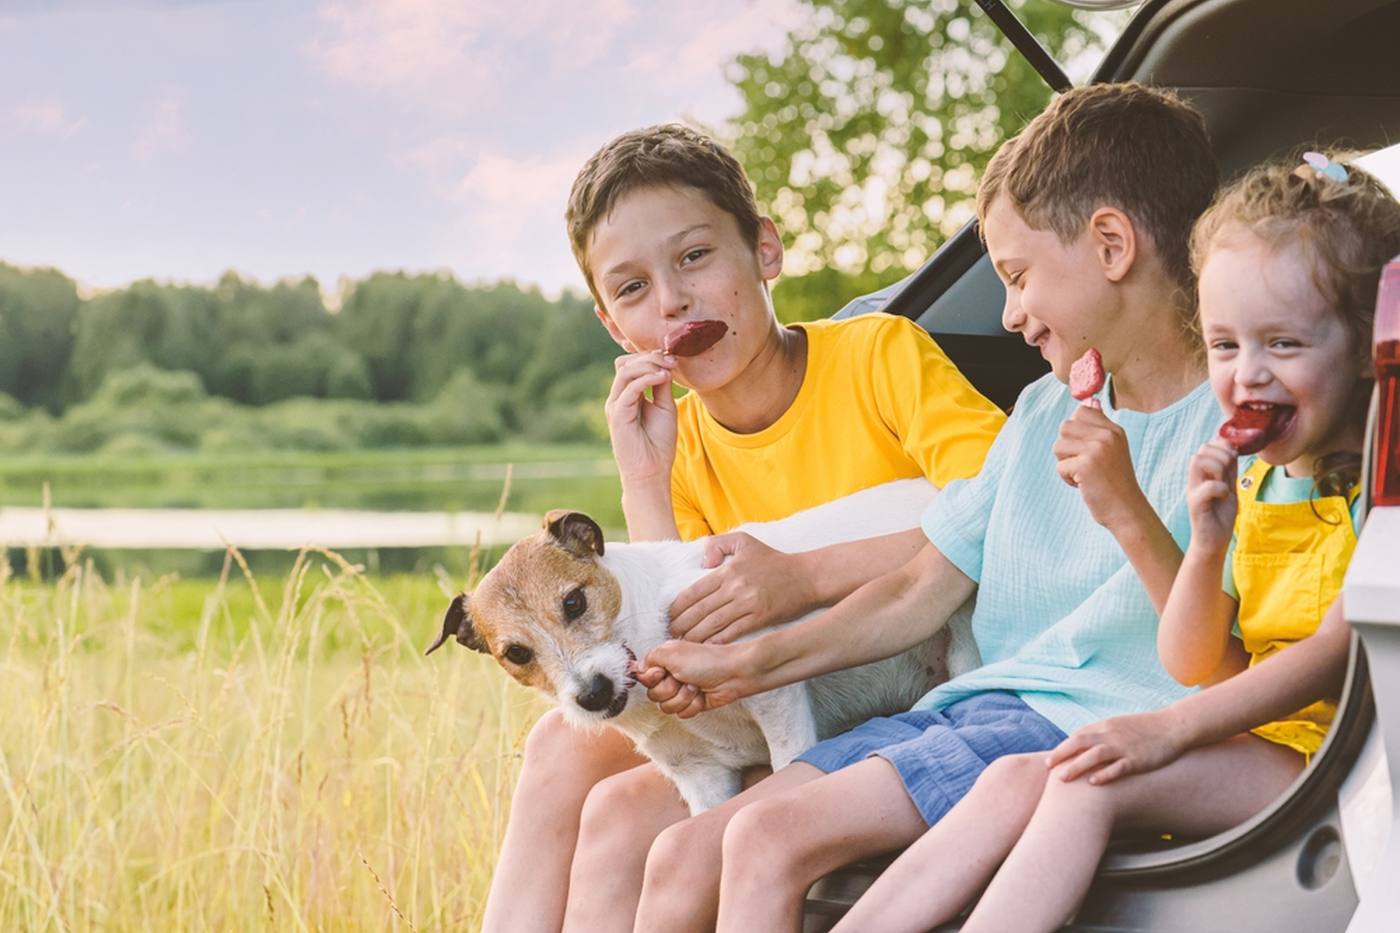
[1062, 619]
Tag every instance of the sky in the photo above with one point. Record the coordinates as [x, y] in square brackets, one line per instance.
[177, 139]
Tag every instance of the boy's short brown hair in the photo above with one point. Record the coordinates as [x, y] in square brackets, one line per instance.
[1137, 148]
[669, 155]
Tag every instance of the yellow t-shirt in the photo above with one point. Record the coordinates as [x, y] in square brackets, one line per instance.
[880, 401]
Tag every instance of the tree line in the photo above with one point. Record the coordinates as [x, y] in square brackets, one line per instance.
[406, 359]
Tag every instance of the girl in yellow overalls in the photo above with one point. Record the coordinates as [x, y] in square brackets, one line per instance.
[1288, 261]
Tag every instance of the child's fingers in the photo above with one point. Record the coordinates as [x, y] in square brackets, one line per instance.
[1067, 749]
[1211, 490]
[701, 615]
[664, 690]
[686, 609]
[661, 395]
[735, 630]
[631, 367]
[1066, 447]
[718, 547]
[680, 701]
[630, 396]
[1111, 772]
[716, 623]
[1213, 461]
[1090, 760]
[696, 707]
[1089, 413]
[654, 357]
[648, 676]
[1070, 469]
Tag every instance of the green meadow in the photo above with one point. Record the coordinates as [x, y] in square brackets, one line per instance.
[244, 752]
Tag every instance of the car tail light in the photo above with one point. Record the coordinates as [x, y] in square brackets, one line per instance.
[1387, 351]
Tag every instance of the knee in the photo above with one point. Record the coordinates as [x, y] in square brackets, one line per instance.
[763, 839]
[1016, 773]
[564, 762]
[1078, 794]
[604, 825]
[676, 857]
[681, 882]
[550, 737]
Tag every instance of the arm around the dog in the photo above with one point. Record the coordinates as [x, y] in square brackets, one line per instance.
[886, 616]
[837, 571]
[758, 586]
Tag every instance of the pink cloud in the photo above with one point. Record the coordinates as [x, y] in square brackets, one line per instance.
[44, 118]
[422, 47]
[164, 132]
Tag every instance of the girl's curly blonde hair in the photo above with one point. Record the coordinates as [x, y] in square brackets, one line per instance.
[1348, 229]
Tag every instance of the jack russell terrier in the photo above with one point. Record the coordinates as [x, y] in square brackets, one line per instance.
[563, 613]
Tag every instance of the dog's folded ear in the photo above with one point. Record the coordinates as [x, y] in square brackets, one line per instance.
[576, 532]
[458, 622]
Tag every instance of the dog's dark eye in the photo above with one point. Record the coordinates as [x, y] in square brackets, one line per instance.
[519, 654]
[574, 603]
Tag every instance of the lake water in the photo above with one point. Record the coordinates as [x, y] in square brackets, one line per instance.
[252, 529]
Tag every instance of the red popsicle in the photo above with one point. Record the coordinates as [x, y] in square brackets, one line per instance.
[1086, 376]
[1250, 430]
[694, 337]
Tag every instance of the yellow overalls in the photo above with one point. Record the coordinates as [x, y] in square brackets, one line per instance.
[1289, 561]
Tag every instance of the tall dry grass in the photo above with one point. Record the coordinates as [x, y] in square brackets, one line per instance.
[197, 755]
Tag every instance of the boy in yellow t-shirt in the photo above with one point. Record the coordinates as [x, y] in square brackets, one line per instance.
[778, 419]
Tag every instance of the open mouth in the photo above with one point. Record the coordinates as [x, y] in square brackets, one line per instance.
[631, 665]
[1256, 425]
[618, 704]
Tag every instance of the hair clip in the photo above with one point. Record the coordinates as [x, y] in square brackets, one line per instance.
[1325, 166]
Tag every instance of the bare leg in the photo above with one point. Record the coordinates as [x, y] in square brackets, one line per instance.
[1050, 869]
[775, 848]
[621, 817]
[531, 882]
[681, 891]
[940, 874]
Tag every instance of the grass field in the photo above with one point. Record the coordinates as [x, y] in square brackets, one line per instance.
[236, 753]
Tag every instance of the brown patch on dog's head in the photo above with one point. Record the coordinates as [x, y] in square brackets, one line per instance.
[546, 611]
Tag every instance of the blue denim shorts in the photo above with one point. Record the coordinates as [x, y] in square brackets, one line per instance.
[940, 753]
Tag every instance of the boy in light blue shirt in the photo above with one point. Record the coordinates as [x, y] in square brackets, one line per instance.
[1086, 215]
[1036, 553]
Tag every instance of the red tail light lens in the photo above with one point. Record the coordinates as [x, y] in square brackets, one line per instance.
[1387, 350]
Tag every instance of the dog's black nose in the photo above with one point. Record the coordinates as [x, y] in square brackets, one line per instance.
[598, 696]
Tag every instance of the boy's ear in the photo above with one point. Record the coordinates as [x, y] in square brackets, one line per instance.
[611, 326]
[1115, 242]
[769, 249]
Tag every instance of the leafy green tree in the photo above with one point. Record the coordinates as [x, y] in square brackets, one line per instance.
[383, 322]
[866, 133]
[38, 312]
[169, 327]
